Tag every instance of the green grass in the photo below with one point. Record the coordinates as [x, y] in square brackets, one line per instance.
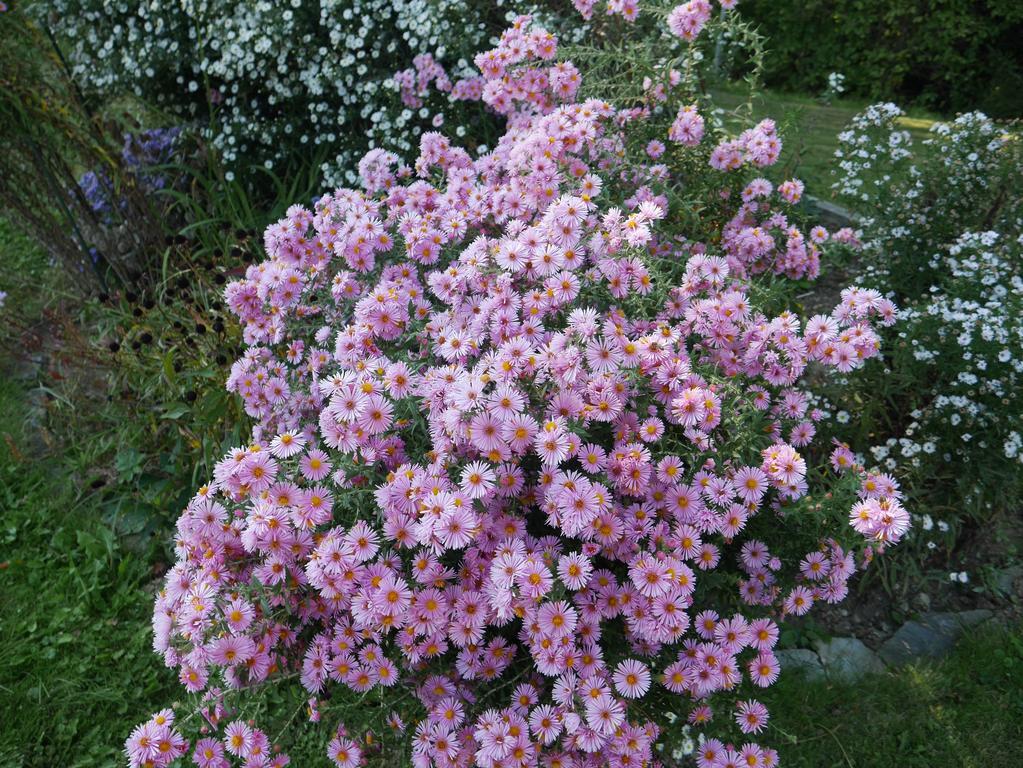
[77, 670]
[809, 129]
[22, 267]
[963, 712]
[76, 666]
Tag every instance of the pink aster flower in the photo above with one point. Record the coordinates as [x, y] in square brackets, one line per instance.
[799, 601]
[287, 444]
[655, 149]
[604, 714]
[552, 445]
[764, 670]
[632, 678]
[546, 723]
[239, 738]
[208, 753]
[710, 754]
[574, 570]
[750, 484]
[751, 716]
[557, 619]
[477, 480]
[344, 753]
[456, 528]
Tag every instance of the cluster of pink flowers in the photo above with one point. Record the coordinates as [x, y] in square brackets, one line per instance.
[414, 83]
[879, 515]
[627, 9]
[751, 242]
[760, 147]
[688, 126]
[660, 89]
[507, 423]
[510, 87]
[688, 19]
[685, 21]
[156, 742]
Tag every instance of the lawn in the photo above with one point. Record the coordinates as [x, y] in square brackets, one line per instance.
[965, 712]
[76, 661]
[76, 665]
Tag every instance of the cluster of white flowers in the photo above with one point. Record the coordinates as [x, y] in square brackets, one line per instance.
[1012, 445]
[871, 141]
[835, 87]
[939, 226]
[684, 743]
[270, 80]
[915, 199]
[836, 82]
[968, 334]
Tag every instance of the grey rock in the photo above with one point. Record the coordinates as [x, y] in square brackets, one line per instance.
[931, 636]
[847, 658]
[1006, 581]
[830, 214]
[801, 661]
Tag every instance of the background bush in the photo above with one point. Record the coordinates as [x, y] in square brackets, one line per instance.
[941, 225]
[278, 84]
[947, 55]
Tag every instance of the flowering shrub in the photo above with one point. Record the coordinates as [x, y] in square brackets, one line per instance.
[524, 447]
[917, 200]
[278, 80]
[940, 233]
[963, 342]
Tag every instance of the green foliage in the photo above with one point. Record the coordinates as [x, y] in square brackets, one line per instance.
[947, 55]
[133, 378]
[48, 136]
[158, 356]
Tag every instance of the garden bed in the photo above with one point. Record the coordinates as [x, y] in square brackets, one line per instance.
[612, 391]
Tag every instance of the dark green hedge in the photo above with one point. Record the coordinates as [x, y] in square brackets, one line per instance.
[945, 55]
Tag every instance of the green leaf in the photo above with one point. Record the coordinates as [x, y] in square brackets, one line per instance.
[168, 367]
[175, 410]
[128, 462]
